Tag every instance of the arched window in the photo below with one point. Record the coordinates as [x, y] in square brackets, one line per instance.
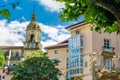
[32, 38]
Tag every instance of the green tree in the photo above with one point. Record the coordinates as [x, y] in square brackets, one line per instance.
[5, 12]
[36, 67]
[2, 59]
[104, 13]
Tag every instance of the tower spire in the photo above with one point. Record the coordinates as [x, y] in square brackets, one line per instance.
[34, 14]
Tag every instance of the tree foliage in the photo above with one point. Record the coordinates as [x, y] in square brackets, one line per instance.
[36, 67]
[103, 13]
[5, 12]
[2, 59]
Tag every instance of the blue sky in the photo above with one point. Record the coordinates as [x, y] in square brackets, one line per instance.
[47, 16]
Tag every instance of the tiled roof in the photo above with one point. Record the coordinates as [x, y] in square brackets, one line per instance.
[76, 25]
[11, 47]
[59, 45]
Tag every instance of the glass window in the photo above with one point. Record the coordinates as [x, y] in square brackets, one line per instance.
[77, 31]
[78, 71]
[78, 41]
[57, 52]
[81, 62]
[31, 45]
[75, 63]
[74, 42]
[75, 71]
[70, 44]
[108, 65]
[3, 77]
[67, 63]
[81, 41]
[70, 71]
[77, 60]
[106, 44]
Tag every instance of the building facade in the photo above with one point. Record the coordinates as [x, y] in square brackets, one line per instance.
[93, 56]
[13, 54]
[90, 56]
[60, 52]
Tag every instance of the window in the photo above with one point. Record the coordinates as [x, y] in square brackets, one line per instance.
[77, 60]
[57, 52]
[67, 63]
[78, 71]
[31, 45]
[108, 65]
[3, 71]
[81, 70]
[36, 45]
[81, 61]
[86, 64]
[70, 43]
[68, 75]
[81, 50]
[106, 44]
[74, 42]
[81, 41]
[77, 31]
[78, 41]
[17, 54]
[32, 38]
[3, 77]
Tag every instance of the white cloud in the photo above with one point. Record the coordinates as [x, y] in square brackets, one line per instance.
[56, 33]
[52, 5]
[9, 33]
[13, 33]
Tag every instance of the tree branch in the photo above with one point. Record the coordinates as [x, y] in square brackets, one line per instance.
[111, 6]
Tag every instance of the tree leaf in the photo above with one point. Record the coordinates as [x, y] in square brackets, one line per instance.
[5, 13]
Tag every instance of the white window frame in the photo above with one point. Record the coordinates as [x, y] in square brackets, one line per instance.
[108, 65]
[106, 44]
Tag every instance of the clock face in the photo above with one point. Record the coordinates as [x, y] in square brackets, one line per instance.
[31, 45]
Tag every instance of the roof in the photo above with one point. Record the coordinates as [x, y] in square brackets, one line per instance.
[11, 47]
[59, 45]
[33, 25]
[65, 41]
[76, 25]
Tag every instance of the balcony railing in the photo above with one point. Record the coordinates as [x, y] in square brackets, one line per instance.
[108, 50]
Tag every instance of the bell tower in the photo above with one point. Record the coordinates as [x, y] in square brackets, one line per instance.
[33, 31]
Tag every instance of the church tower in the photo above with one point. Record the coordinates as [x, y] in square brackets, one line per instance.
[33, 31]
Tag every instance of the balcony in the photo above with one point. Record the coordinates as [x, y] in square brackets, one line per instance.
[108, 51]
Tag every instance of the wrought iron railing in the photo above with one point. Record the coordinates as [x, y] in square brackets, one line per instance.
[108, 49]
